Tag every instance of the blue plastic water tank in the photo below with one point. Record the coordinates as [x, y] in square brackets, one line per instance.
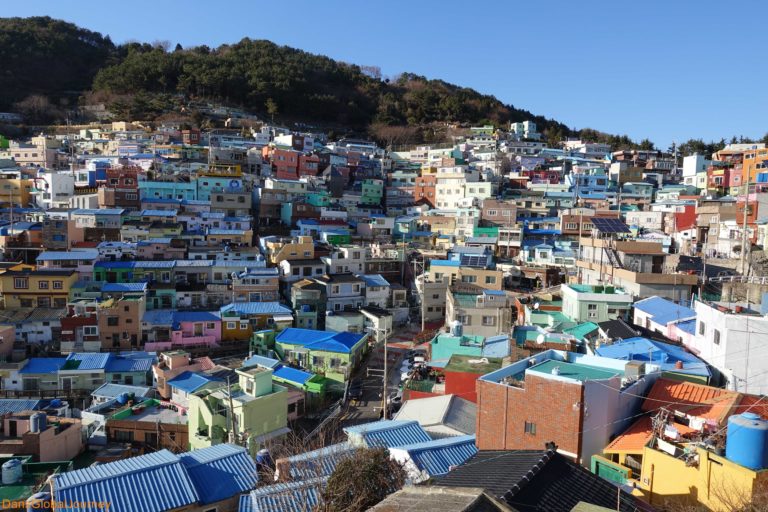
[56, 403]
[746, 441]
[122, 398]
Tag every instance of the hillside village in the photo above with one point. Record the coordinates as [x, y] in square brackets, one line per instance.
[217, 319]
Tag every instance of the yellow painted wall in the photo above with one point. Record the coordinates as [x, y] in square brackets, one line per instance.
[716, 483]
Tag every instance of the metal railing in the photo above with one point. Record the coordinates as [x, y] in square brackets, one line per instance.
[740, 279]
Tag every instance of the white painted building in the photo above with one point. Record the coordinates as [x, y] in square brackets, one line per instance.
[735, 343]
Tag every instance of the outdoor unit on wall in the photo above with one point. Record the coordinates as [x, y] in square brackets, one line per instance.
[634, 370]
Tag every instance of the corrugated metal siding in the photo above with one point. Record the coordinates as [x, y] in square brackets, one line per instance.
[220, 471]
[438, 458]
[390, 433]
[149, 483]
[318, 463]
[291, 497]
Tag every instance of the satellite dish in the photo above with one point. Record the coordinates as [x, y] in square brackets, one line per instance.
[540, 339]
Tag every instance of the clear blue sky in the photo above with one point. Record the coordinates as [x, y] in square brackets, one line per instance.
[662, 69]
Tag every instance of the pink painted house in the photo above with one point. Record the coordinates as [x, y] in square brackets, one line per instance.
[187, 329]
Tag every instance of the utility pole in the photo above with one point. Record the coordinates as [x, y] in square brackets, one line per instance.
[232, 422]
[744, 229]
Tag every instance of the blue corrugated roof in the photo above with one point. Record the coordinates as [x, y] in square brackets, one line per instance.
[11, 405]
[286, 497]
[320, 340]
[158, 316]
[84, 254]
[663, 311]
[318, 463]
[151, 483]
[43, 365]
[292, 374]
[257, 308]
[266, 362]
[113, 390]
[375, 280]
[388, 433]
[123, 364]
[436, 457]
[123, 287]
[158, 213]
[196, 316]
[220, 471]
[189, 382]
[87, 360]
[688, 326]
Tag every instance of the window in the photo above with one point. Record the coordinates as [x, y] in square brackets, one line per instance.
[716, 336]
[243, 326]
[59, 302]
[318, 361]
[25, 303]
[530, 428]
[21, 282]
[335, 362]
[231, 325]
[43, 285]
[58, 285]
[43, 302]
[210, 325]
[124, 436]
[90, 330]
[702, 328]
[468, 279]
[113, 321]
[489, 320]
[435, 296]
[490, 279]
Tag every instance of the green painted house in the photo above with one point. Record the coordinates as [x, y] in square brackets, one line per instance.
[331, 354]
[260, 411]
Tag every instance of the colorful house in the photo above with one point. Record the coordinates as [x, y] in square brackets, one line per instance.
[332, 354]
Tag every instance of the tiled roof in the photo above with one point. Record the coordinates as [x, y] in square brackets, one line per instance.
[694, 399]
[387, 433]
[220, 471]
[534, 480]
[634, 439]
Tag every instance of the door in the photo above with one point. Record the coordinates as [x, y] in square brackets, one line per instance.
[66, 383]
[198, 329]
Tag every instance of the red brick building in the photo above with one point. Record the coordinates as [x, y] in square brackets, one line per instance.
[121, 189]
[575, 401]
[425, 189]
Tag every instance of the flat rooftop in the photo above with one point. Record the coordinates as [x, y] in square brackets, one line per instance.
[159, 415]
[575, 371]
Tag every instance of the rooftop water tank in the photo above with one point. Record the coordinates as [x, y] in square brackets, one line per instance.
[56, 403]
[37, 422]
[122, 398]
[746, 441]
[40, 502]
[11, 471]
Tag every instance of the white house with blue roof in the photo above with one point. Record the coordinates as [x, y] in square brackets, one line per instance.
[660, 315]
[424, 460]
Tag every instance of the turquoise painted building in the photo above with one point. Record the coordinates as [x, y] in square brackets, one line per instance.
[167, 190]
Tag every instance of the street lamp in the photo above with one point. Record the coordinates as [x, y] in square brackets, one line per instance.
[377, 330]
